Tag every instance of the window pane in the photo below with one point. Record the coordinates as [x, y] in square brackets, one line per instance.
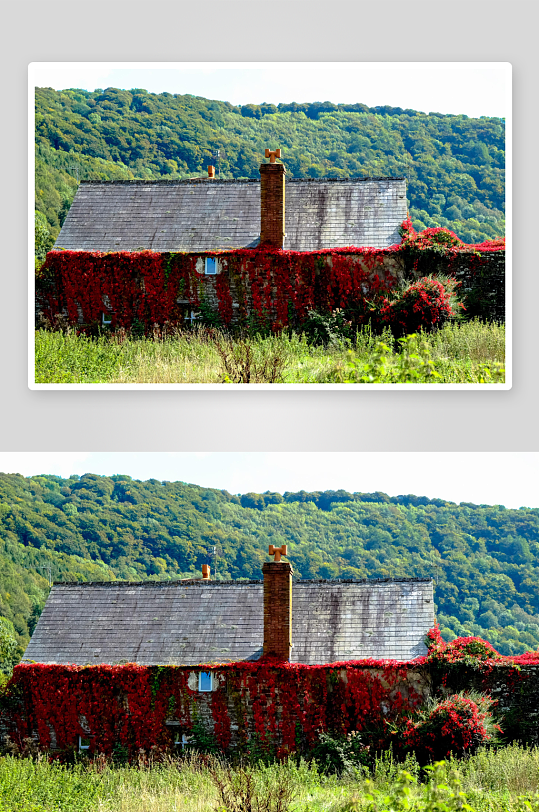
[211, 265]
[204, 681]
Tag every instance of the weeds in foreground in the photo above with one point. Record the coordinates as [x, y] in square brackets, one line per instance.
[412, 363]
[442, 791]
[493, 780]
[248, 789]
[240, 364]
[470, 352]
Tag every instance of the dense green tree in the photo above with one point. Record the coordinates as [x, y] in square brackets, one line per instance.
[484, 559]
[43, 238]
[8, 646]
[454, 164]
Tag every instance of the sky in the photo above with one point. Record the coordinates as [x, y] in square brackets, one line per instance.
[471, 88]
[490, 478]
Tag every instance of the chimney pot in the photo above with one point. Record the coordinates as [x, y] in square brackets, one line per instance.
[277, 552]
[205, 572]
[211, 171]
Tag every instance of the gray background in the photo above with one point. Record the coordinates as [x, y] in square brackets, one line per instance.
[275, 420]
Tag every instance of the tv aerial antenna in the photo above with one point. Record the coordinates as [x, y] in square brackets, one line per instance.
[213, 555]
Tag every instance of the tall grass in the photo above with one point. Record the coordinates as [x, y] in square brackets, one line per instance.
[502, 779]
[459, 353]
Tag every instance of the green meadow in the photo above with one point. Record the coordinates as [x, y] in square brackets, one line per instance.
[460, 352]
[492, 780]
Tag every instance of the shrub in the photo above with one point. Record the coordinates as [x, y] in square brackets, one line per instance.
[424, 305]
[341, 754]
[246, 789]
[240, 365]
[327, 329]
[455, 726]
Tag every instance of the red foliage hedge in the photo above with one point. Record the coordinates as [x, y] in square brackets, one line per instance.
[129, 704]
[277, 702]
[276, 286]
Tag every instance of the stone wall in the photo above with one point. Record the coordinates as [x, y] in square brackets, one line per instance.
[247, 706]
[294, 279]
[482, 280]
[281, 704]
[515, 689]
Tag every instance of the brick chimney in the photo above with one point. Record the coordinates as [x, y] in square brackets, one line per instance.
[277, 607]
[211, 171]
[206, 572]
[272, 201]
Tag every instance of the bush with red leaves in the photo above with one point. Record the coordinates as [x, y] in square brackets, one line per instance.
[424, 305]
[455, 726]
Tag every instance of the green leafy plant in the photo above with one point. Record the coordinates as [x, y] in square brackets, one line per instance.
[326, 329]
[9, 648]
[413, 364]
[342, 754]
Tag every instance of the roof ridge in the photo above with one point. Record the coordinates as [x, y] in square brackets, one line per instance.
[217, 181]
[201, 582]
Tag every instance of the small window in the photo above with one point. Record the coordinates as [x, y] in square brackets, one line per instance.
[190, 316]
[205, 681]
[106, 318]
[84, 743]
[210, 266]
[182, 740]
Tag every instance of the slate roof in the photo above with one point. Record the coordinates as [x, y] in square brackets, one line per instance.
[209, 215]
[188, 623]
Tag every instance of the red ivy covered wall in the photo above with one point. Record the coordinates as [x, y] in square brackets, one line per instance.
[512, 681]
[279, 287]
[279, 704]
[155, 288]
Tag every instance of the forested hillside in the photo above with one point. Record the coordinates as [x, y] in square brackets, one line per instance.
[485, 559]
[454, 164]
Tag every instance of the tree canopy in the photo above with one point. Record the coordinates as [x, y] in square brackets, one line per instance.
[454, 164]
[484, 559]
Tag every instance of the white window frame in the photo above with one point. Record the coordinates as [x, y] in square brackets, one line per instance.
[104, 320]
[192, 315]
[205, 690]
[184, 742]
[83, 747]
[210, 273]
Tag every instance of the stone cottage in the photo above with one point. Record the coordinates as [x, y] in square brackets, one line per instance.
[236, 247]
[121, 668]
[160, 664]
[268, 249]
